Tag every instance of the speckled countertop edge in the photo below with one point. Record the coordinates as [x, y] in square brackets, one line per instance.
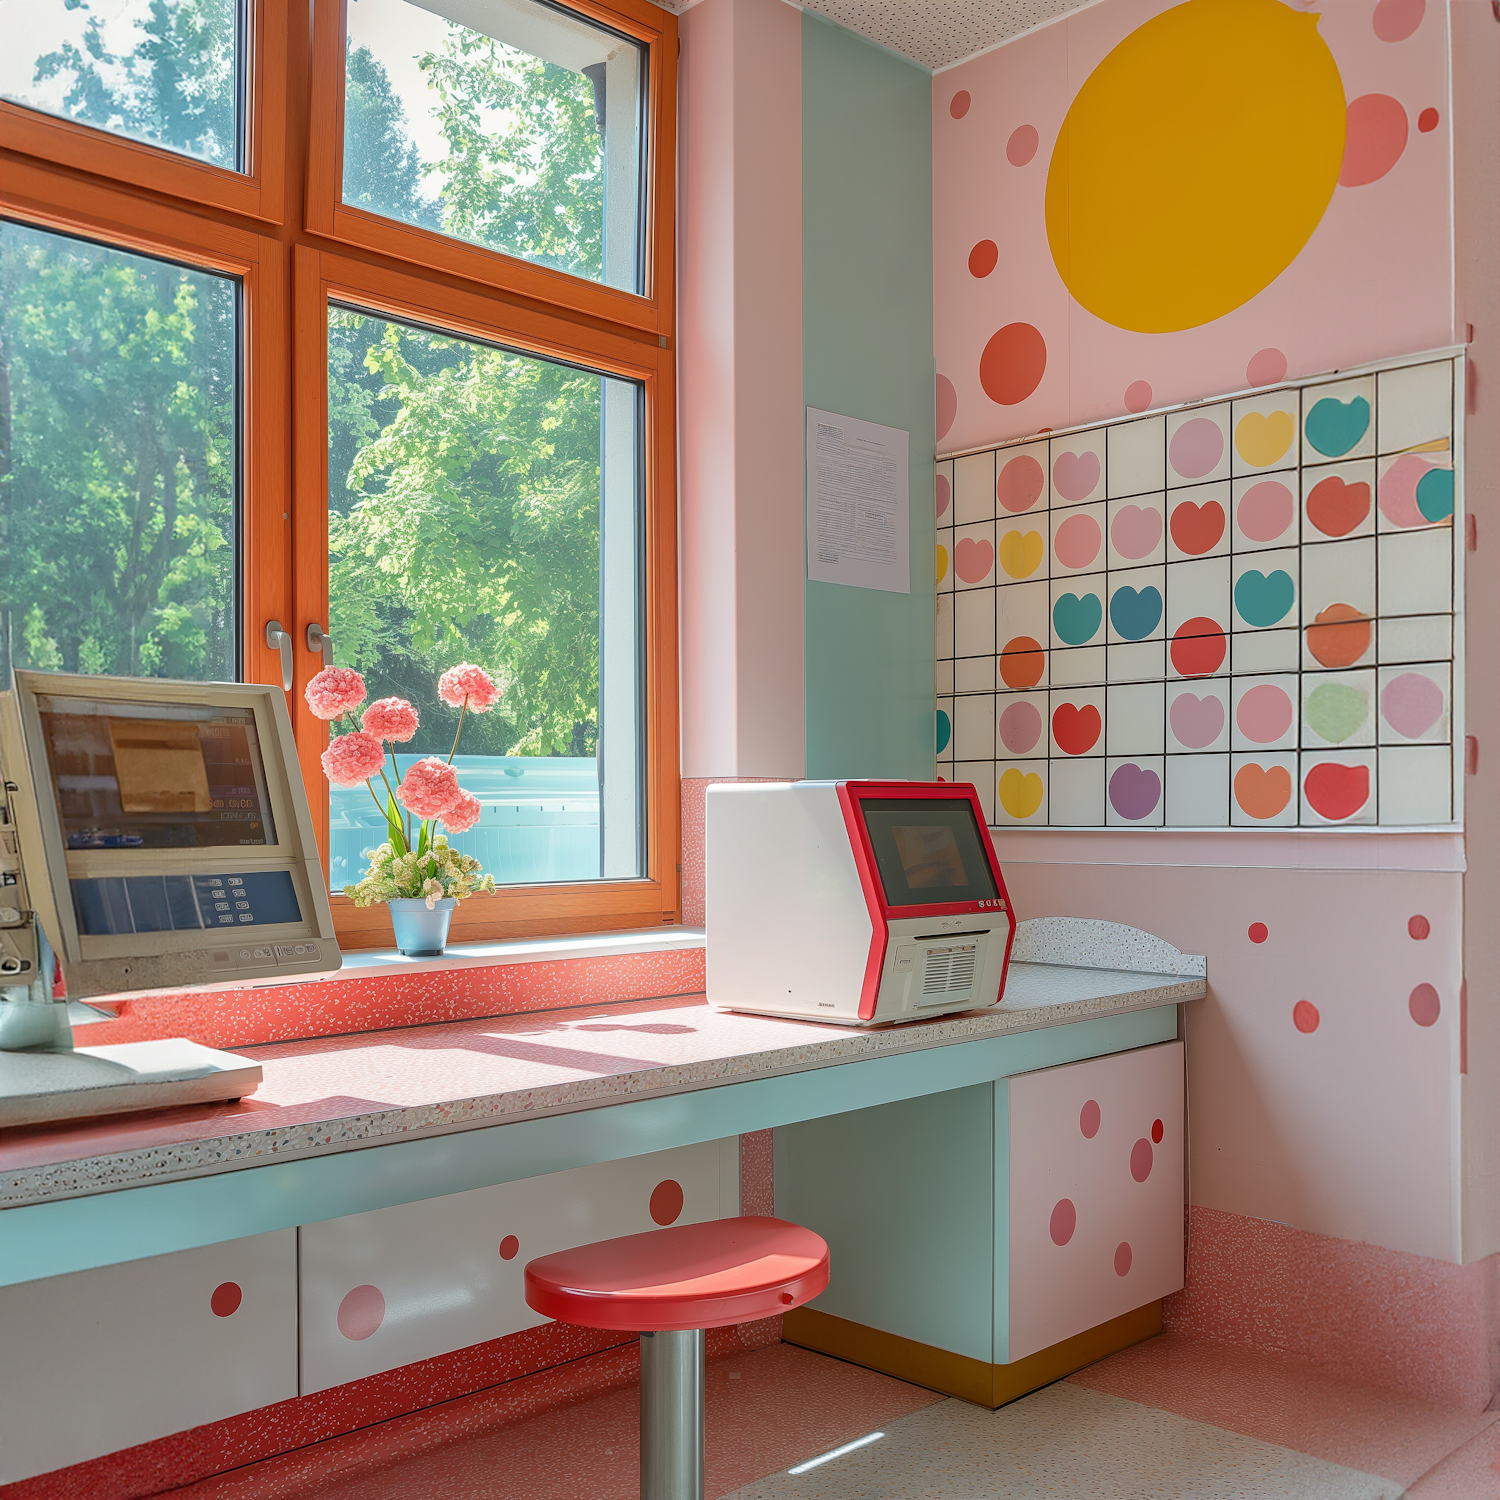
[172, 1161]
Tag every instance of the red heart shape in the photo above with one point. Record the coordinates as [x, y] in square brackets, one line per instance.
[1196, 528]
[1076, 730]
[1334, 791]
[1336, 508]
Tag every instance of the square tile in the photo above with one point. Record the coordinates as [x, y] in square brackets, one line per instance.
[1266, 651]
[1134, 792]
[1265, 432]
[1198, 521]
[1415, 406]
[1078, 468]
[1415, 705]
[1137, 456]
[1137, 606]
[973, 674]
[981, 776]
[1198, 718]
[1338, 501]
[1338, 573]
[1415, 638]
[1265, 590]
[1338, 787]
[1265, 512]
[1077, 540]
[1263, 790]
[974, 727]
[942, 493]
[1021, 483]
[1140, 661]
[1415, 490]
[974, 556]
[1076, 722]
[945, 560]
[1137, 531]
[1338, 420]
[1022, 548]
[1135, 719]
[943, 678]
[1023, 612]
[1266, 711]
[1416, 785]
[1075, 792]
[1197, 791]
[974, 622]
[1022, 794]
[1338, 710]
[1021, 725]
[973, 488]
[942, 626]
[1416, 572]
[1078, 610]
[1198, 445]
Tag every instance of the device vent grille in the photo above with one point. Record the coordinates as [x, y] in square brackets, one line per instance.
[950, 971]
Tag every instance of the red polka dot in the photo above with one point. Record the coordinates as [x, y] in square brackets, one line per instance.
[1266, 367]
[1259, 932]
[958, 105]
[1137, 396]
[1158, 1130]
[1419, 927]
[1427, 121]
[983, 257]
[666, 1201]
[1375, 140]
[1198, 647]
[361, 1312]
[1424, 1005]
[1088, 1119]
[1123, 1257]
[1021, 146]
[226, 1299]
[1305, 1016]
[947, 405]
[509, 1247]
[1064, 1221]
[1141, 1159]
[1012, 364]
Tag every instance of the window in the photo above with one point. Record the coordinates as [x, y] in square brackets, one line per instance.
[426, 408]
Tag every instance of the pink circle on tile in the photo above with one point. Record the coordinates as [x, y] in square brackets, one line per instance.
[1020, 483]
[1266, 367]
[1088, 1119]
[1020, 728]
[1141, 1159]
[1137, 396]
[509, 1247]
[1266, 510]
[1419, 927]
[1196, 447]
[1064, 1221]
[1305, 1017]
[942, 494]
[1423, 1005]
[1077, 541]
[226, 1299]
[1123, 1257]
[958, 105]
[1259, 932]
[361, 1312]
[1021, 146]
[1264, 714]
[1395, 20]
[947, 406]
[1374, 141]
[666, 1202]
[1412, 703]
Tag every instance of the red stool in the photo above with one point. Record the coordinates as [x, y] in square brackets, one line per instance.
[675, 1283]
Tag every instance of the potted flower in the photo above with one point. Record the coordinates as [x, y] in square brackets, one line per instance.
[416, 872]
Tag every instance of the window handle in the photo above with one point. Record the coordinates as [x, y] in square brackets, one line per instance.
[278, 640]
[320, 641]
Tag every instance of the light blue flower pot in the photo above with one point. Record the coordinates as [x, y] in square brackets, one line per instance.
[421, 933]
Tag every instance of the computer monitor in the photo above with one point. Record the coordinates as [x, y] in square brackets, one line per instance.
[164, 835]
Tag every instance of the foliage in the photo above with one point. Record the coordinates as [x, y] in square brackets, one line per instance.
[435, 873]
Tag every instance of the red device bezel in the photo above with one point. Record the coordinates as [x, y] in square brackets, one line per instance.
[850, 793]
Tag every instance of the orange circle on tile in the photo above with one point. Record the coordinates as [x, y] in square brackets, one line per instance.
[226, 1299]
[1022, 662]
[1340, 635]
[1419, 927]
[666, 1202]
[509, 1247]
[1305, 1017]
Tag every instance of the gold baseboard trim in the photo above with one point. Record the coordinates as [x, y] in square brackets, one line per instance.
[956, 1374]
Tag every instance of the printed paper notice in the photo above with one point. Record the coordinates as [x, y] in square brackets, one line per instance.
[858, 503]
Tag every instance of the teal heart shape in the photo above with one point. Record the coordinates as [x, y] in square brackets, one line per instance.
[1135, 613]
[944, 731]
[1264, 599]
[1076, 620]
[1334, 427]
[1435, 494]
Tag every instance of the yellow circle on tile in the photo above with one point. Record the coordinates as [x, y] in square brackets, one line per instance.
[1261, 440]
[1195, 163]
[1021, 555]
[1020, 792]
[942, 563]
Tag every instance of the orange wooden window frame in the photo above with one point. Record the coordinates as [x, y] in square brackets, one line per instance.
[78, 180]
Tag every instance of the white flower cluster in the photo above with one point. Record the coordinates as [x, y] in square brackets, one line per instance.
[438, 872]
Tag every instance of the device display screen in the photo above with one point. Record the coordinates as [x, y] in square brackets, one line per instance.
[928, 851]
[156, 775]
[184, 903]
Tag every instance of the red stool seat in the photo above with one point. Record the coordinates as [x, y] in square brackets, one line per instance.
[689, 1276]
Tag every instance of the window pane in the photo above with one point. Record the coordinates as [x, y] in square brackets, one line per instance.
[484, 507]
[506, 123]
[118, 461]
[162, 71]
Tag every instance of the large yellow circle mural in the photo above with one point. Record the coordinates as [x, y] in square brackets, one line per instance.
[1195, 163]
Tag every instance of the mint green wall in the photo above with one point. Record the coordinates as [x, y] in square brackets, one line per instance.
[867, 353]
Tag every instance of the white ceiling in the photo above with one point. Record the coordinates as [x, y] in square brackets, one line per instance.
[934, 33]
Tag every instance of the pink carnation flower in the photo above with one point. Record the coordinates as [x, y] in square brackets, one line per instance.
[335, 691]
[353, 758]
[463, 814]
[469, 684]
[391, 719]
[429, 788]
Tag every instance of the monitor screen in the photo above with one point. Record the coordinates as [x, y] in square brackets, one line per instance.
[156, 775]
[928, 850]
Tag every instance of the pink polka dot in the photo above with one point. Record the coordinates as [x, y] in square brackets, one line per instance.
[361, 1312]
[1020, 483]
[983, 258]
[1259, 932]
[1021, 146]
[1020, 727]
[942, 494]
[1013, 363]
[1077, 541]
[1158, 1130]
[1137, 396]
[226, 1299]
[1064, 1221]
[1266, 367]
[509, 1247]
[1424, 1005]
[1305, 1017]
[1123, 1257]
[666, 1202]
[1375, 140]
[958, 105]
[1196, 447]
[947, 406]
[1141, 1159]
[1427, 121]
[1419, 927]
[1395, 20]
[1088, 1119]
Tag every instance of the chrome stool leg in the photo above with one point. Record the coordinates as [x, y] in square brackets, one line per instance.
[672, 1415]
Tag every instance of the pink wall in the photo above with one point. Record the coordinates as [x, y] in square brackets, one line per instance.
[740, 389]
